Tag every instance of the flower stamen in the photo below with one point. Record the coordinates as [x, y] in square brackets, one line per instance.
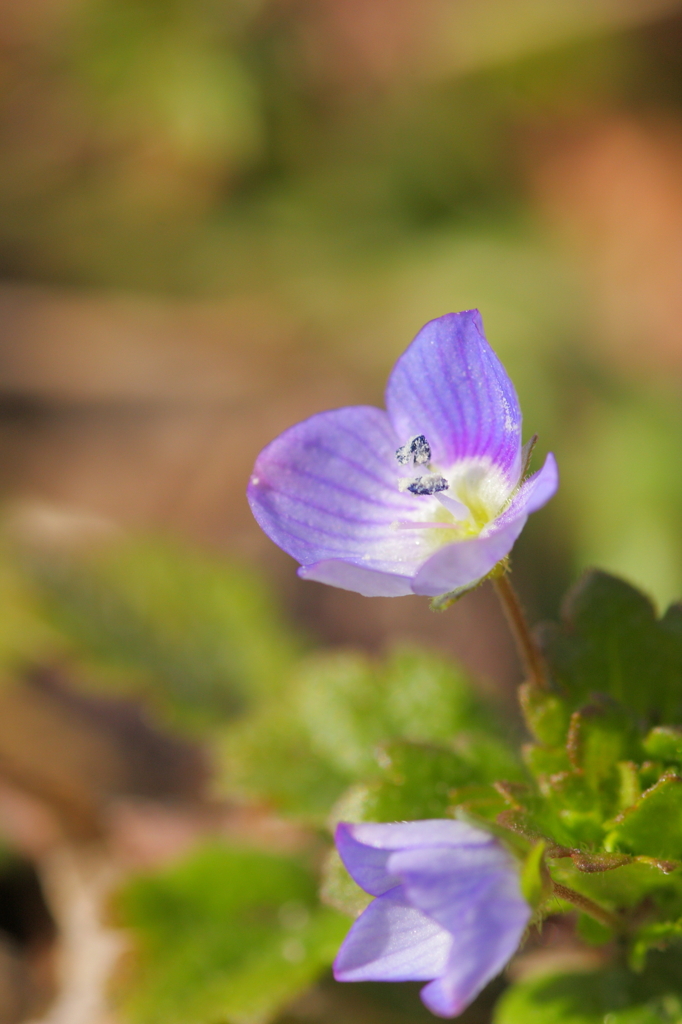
[416, 452]
[431, 484]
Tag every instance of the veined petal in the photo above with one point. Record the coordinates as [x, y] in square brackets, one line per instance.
[444, 999]
[450, 386]
[465, 562]
[451, 884]
[393, 941]
[449, 995]
[327, 489]
[349, 576]
[533, 493]
[480, 950]
[409, 835]
[475, 895]
[366, 864]
[366, 847]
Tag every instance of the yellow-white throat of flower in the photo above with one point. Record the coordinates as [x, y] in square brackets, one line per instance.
[458, 501]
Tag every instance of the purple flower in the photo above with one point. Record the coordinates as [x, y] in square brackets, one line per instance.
[448, 908]
[425, 498]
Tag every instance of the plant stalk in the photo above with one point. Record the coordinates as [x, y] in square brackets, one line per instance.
[585, 904]
[526, 646]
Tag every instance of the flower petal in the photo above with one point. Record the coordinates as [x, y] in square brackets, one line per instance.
[365, 848]
[450, 994]
[348, 576]
[327, 489]
[366, 864]
[478, 955]
[451, 884]
[474, 893]
[450, 386]
[409, 835]
[392, 941]
[533, 493]
[465, 562]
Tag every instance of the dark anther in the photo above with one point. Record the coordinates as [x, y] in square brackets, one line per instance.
[421, 450]
[428, 484]
[403, 454]
[417, 450]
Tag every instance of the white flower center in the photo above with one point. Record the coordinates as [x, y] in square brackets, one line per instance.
[453, 502]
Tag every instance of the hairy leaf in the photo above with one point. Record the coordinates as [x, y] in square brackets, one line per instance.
[653, 826]
[610, 642]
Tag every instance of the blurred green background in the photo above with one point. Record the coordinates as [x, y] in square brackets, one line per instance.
[216, 218]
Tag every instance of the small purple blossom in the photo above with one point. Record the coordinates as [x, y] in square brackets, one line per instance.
[448, 908]
[424, 498]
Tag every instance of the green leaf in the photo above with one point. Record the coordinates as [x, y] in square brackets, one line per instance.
[667, 1010]
[630, 784]
[545, 761]
[653, 826]
[592, 790]
[546, 714]
[350, 703]
[416, 782]
[563, 999]
[535, 881]
[610, 642]
[228, 934]
[655, 935]
[421, 781]
[559, 813]
[586, 781]
[614, 996]
[664, 743]
[268, 755]
[600, 736]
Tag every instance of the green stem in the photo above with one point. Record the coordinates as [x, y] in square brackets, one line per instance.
[528, 650]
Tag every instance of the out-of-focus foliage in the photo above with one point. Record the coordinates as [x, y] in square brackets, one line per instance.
[229, 934]
[25, 635]
[610, 641]
[629, 514]
[613, 995]
[339, 711]
[200, 634]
